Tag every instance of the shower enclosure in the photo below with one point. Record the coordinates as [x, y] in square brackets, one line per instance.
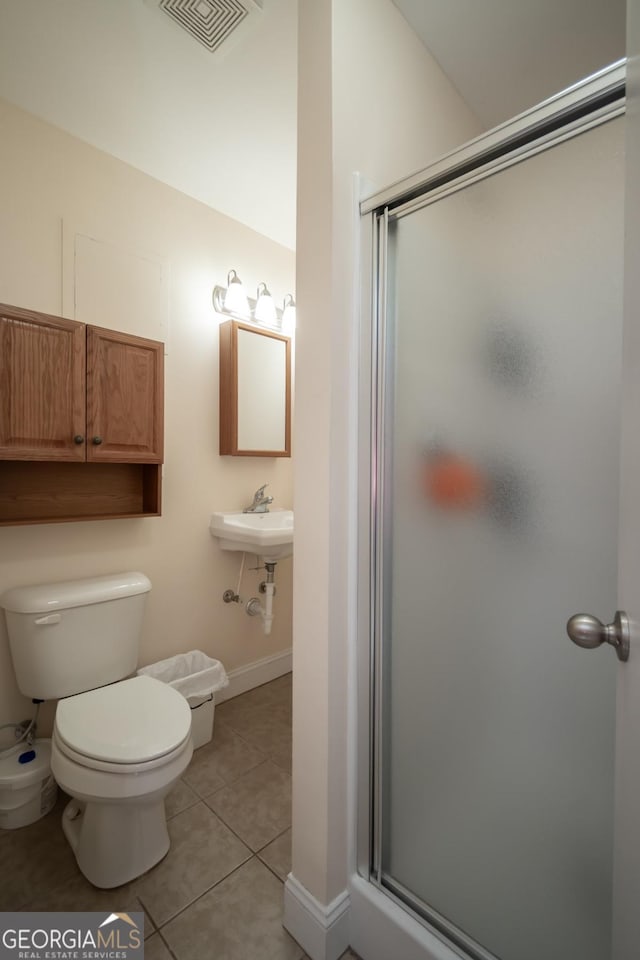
[494, 476]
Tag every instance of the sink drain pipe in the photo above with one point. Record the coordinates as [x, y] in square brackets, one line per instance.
[268, 587]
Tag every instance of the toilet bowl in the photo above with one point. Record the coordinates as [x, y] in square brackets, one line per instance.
[117, 751]
[118, 744]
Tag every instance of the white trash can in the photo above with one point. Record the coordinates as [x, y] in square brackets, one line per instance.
[197, 677]
[27, 789]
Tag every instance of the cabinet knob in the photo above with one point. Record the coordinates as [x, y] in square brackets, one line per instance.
[78, 439]
[97, 441]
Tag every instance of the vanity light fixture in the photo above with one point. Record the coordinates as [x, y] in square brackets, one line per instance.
[232, 301]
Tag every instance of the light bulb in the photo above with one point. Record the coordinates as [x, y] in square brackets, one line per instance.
[235, 300]
[265, 311]
[288, 323]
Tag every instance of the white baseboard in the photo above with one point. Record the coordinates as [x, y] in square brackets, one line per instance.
[255, 674]
[322, 931]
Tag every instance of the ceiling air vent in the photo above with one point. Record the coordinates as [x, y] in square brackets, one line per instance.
[210, 22]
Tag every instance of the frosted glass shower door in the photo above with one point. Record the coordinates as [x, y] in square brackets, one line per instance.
[501, 503]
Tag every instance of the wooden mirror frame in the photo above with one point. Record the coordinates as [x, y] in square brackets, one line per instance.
[229, 390]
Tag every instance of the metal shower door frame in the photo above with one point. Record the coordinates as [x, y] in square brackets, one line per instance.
[585, 105]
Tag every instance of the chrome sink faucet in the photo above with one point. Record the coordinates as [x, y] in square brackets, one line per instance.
[260, 502]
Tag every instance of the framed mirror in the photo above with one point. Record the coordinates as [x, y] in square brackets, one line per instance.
[255, 391]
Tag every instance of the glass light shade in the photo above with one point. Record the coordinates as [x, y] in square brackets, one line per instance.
[265, 311]
[288, 323]
[235, 300]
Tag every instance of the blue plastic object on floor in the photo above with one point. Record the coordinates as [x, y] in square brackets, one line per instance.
[27, 756]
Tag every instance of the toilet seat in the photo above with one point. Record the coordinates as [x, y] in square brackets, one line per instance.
[90, 763]
[124, 725]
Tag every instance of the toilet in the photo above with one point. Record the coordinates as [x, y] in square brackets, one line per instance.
[118, 745]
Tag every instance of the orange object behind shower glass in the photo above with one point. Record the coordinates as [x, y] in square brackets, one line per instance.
[452, 482]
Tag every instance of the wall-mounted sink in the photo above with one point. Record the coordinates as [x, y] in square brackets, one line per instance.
[268, 535]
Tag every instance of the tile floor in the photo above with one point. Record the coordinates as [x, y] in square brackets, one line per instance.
[218, 892]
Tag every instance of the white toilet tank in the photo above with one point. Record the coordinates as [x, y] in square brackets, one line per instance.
[69, 637]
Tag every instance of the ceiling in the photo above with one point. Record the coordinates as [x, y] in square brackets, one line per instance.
[123, 76]
[507, 55]
[221, 127]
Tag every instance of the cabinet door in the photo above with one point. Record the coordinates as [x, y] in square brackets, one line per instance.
[125, 395]
[42, 386]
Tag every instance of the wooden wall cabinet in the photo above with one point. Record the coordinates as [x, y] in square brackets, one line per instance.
[81, 420]
[255, 391]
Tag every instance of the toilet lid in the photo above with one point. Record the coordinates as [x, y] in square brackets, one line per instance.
[127, 722]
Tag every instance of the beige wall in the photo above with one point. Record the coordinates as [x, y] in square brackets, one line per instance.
[371, 100]
[48, 181]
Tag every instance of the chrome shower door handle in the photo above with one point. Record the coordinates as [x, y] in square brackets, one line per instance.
[589, 632]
